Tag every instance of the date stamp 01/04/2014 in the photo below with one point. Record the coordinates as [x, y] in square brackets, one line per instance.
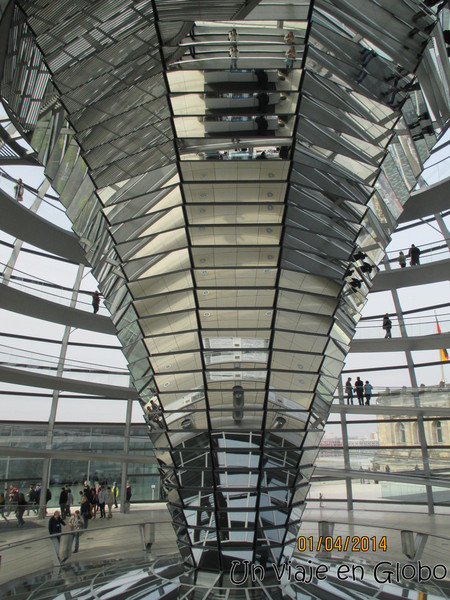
[342, 543]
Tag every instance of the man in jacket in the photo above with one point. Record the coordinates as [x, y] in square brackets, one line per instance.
[387, 326]
[359, 389]
[55, 529]
[63, 497]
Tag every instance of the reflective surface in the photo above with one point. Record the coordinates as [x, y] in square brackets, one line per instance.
[227, 275]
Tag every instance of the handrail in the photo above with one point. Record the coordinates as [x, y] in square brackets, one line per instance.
[66, 533]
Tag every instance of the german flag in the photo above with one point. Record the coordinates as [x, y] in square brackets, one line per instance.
[444, 353]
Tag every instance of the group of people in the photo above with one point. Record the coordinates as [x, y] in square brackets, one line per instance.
[290, 52]
[94, 500]
[361, 389]
[15, 501]
[413, 255]
[233, 50]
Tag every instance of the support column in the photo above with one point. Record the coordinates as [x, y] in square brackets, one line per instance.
[443, 228]
[45, 479]
[126, 448]
[413, 379]
[348, 481]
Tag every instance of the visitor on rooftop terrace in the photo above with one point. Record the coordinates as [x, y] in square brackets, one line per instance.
[109, 500]
[76, 524]
[414, 255]
[234, 54]
[233, 35]
[96, 301]
[349, 390]
[19, 190]
[401, 259]
[21, 507]
[290, 57]
[368, 392]
[387, 325]
[289, 37]
[55, 528]
[359, 389]
[2, 506]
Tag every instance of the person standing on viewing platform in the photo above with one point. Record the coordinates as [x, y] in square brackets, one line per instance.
[69, 501]
[349, 390]
[233, 35]
[19, 190]
[21, 507]
[63, 501]
[115, 493]
[414, 255]
[289, 38]
[359, 389]
[234, 54]
[76, 524]
[109, 500]
[290, 57]
[55, 528]
[368, 392]
[128, 494]
[2, 506]
[387, 326]
[401, 259]
[96, 301]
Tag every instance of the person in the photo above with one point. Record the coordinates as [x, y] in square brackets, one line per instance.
[289, 37]
[32, 499]
[96, 301]
[401, 259]
[416, 469]
[69, 501]
[361, 480]
[63, 501]
[387, 468]
[85, 509]
[19, 190]
[368, 392]
[13, 496]
[290, 57]
[21, 507]
[349, 390]
[55, 528]
[2, 506]
[263, 101]
[234, 53]
[93, 499]
[115, 493]
[414, 255]
[128, 494]
[320, 500]
[262, 125]
[262, 156]
[109, 501]
[156, 414]
[387, 325]
[233, 35]
[101, 501]
[86, 488]
[75, 525]
[263, 78]
[359, 389]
